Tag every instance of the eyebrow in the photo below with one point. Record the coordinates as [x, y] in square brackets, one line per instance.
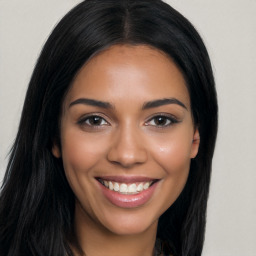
[146, 105]
[162, 102]
[91, 102]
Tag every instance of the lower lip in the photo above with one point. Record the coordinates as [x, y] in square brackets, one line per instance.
[128, 201]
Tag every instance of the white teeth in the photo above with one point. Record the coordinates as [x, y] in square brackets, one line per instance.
[116, 186]
[124, 188]
[146, 185]
[140, 187]
[132, 188]
[110, 185]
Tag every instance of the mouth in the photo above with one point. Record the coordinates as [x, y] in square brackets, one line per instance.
[127, 191]
[126, 188]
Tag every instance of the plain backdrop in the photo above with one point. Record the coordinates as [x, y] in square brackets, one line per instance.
[228, 28]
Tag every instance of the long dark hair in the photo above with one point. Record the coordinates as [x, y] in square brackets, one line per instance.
[36, 202]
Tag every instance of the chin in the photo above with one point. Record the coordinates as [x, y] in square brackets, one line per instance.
[130, 224]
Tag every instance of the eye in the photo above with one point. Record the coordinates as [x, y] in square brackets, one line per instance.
[93, 120]
[161, 121]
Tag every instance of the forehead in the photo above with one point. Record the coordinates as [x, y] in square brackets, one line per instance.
[129, 72]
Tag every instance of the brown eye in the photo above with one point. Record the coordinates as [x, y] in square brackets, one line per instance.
[94, 121]
[161, 121]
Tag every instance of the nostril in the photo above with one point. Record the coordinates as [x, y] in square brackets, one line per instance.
[126, 148]
[127, 159]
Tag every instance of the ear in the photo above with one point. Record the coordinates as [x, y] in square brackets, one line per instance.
[195, 143]
[56, 150]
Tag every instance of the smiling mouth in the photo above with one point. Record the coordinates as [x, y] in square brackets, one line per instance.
[126, 188]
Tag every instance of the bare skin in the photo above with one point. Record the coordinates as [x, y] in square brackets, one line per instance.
[126, 117]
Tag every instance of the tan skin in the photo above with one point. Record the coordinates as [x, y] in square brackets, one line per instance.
[125, 138]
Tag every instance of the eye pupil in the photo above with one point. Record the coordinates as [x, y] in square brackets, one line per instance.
[95, 120]
[160, 120]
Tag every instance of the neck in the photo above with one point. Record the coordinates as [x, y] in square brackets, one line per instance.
[96, 240]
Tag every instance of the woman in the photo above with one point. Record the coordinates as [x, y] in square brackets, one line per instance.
[114, 149]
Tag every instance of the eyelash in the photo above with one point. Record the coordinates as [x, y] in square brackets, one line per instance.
[84, 121]
[168, 120]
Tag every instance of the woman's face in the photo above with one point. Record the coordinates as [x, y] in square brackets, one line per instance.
[127, 138]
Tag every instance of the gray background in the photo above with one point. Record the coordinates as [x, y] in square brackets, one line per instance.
[229, 30]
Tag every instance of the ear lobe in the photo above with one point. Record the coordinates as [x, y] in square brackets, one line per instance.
[56, 150]
[195, 144]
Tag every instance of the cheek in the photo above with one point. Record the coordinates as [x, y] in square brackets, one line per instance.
[174, 158]
[173, 154]
[81, 152]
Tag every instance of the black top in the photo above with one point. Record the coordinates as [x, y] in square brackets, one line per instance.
[162, 249]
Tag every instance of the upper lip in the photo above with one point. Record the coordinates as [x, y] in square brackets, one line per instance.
[126, 179]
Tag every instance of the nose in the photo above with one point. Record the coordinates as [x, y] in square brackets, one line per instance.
[127, 148]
